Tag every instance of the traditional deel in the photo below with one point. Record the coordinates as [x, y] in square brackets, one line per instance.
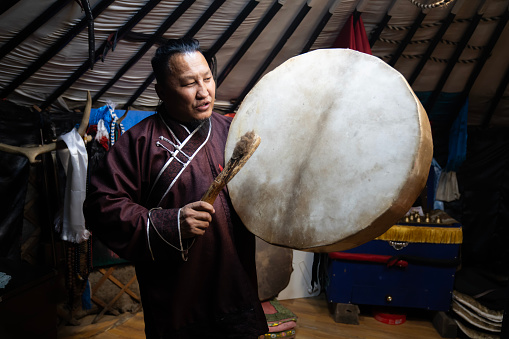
[216, 287]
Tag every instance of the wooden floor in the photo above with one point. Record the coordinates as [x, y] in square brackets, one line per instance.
[314, 322]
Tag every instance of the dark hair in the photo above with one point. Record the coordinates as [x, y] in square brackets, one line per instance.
[160, 61]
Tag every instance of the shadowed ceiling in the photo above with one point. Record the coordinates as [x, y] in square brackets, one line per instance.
[52, 52]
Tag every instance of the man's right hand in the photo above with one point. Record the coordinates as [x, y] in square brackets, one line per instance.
[195, 218]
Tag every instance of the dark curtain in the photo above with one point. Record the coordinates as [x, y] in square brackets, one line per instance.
[483, 207]
[18, 126]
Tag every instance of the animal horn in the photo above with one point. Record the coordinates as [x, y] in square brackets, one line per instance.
[34, 151]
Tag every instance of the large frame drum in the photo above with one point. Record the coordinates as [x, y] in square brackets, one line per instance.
[345, 151]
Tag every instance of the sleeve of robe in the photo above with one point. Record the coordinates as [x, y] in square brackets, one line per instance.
[113, 207]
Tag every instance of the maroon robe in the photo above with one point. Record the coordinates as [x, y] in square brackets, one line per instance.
[214, 293]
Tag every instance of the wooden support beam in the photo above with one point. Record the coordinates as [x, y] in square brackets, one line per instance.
[249, 41]
[91, 36]
[282, 41]
[454, 59]
[118, 283]
[43, 18]
[101, 52]
[192, 31]
[232, 28]
[434, 42]
[170, 20]
[486, 52]
[408, 37]
[53, 50]
[5, 5]
[123, 289]
[204, 18]
[320, 26]
[375, 34]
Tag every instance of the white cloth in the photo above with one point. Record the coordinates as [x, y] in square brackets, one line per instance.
[448, 189]
[74, 160]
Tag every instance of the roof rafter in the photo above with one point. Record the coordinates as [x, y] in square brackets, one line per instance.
[274, 52]
[53, 50]
[457, 53]
[192, 31]
[408, 37]
[172, 18]
[6, 5]
[380, 27]
[434, 42]
[32, 27]
[320, 26]
[505, 80]
[269, 15]
[486, 52]
[101, 51]
[232, 28]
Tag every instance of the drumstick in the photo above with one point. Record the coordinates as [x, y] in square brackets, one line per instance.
[243, 150]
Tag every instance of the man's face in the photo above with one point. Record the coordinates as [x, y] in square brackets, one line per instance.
[189, 91]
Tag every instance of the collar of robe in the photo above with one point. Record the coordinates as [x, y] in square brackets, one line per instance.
[181, 154]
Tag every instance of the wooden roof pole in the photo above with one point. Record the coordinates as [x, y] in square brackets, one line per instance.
[486, 52]
[6, 5]
[454, 59]
[85, 4]
[325, 18]
[232, 28]
[32, 27]
[434, 42]
[321, 25]
[210, 52]
[53, 50]
[408, 37]
[204, 18]
[381, 25]
[276, 6]
[192, 31]
[100, 52]
[272, 55]
[170, 20]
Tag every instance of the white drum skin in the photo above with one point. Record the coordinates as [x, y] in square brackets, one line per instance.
[345, 151]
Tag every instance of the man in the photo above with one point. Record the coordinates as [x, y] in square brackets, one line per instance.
[195, 262]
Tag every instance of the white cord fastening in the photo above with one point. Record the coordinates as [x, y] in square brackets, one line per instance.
[183, 251]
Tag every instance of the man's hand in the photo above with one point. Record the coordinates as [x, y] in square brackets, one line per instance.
[195, 218]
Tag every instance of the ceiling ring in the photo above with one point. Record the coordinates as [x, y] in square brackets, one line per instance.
[440, 3]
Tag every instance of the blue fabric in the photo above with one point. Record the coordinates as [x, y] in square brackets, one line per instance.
[86, 297]
[458, 140]
[133, 117]
[437, 171]
[104, 113]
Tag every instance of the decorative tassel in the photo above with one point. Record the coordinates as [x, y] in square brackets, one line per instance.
[424, 234]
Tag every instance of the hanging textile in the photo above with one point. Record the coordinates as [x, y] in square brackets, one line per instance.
[449, 140]
[18, 126]
[448, 189]
[74, 160]
[458, 140]
[353, 35]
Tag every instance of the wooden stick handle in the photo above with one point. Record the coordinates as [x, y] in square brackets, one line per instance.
[230, 170]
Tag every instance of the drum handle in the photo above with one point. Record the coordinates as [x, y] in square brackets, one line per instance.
[243, 150]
